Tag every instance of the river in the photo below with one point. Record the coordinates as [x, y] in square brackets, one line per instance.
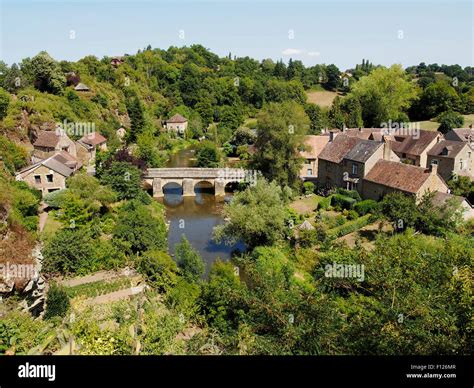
[195, 217]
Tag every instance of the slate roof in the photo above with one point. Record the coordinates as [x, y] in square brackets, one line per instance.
[55, 163]
[177, 119]
[461, 134]
[447, 148]
[363, 150]
[440, 198]
[398, 176]
[364, 133]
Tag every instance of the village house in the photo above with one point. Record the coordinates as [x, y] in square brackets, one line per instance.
[452, 157]
[345, 160]
[50, 174]
[314, 144]
[461, 134]
[387, 176]
[413, 149]
[177, 124]
[440, 199]
[87, 146]
[49, 143]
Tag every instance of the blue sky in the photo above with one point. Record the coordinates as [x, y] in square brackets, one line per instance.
[340, 32]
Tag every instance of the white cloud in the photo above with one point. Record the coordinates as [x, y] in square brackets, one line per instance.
[314, 53]
[291, 51]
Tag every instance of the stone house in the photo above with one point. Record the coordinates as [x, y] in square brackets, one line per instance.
[49, 143]
[461, 134]
[439, 199]
[47, 175]
[387, 176]
[177, 124]
[314, 144]
[414, 149]
[452, 157]
[87, 146]
[346, 160]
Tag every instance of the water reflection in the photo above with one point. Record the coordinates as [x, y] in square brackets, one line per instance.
[195, 217]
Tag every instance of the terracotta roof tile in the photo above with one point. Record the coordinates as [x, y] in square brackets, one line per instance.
[447, 148]
[338, 148]
[47, 139]
[177, 118]
[93, 139]
[315, 144]
[398, 176]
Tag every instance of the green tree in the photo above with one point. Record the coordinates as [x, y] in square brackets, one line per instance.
[256, 216]
[137, 230]
[281, 130]
[436, 98]
[124, 178]
[159, 269]
[57, 302]
[400, 209]
[47, 74]
[207, 155]
[69, 251]
[384, 95]
[4, 102]
[449, 120]
[190, 263]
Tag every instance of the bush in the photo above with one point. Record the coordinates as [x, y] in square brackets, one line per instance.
[366, 206]
[352, 215]
[308, 187]
[159, 269]
[340, 201]
[349, 193]
[324, 203]
[57, 302]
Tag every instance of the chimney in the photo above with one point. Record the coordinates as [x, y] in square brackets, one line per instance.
[387, 148]
[331, 136]
[434, 168]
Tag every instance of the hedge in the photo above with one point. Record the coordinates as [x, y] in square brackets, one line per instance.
[366, 206]
[349, 227]
[349, 193]
[342, 201]
[324, 203]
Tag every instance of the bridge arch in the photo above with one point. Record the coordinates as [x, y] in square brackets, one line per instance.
[172, 186]
[204, 185]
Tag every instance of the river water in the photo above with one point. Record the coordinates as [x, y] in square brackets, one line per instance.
[195, 217]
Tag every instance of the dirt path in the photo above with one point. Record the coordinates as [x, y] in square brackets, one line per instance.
[97, 277]
[43, 217]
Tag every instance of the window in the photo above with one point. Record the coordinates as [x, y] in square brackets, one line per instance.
[49, 178]
[461, 164]
[310, 171]
[434, 161]
[355, 168]
[38, 179]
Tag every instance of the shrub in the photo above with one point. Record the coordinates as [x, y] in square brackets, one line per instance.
[159, 269]
[352, 215]
[324, 203]
[340, 201]
[57, 302]
[349, 193]
[366, 206]
[308, 187]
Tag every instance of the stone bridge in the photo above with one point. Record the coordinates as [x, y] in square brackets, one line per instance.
[189, 177]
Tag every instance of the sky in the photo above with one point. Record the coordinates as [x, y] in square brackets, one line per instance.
[342, 32]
